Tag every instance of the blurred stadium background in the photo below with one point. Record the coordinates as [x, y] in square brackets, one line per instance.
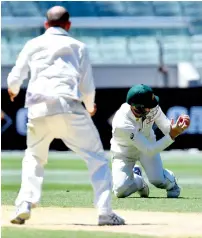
[152, 42]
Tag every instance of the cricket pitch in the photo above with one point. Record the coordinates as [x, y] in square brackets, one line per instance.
[137, 222]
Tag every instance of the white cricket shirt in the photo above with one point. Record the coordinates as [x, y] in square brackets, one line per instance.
[60, 71]
[132, 136]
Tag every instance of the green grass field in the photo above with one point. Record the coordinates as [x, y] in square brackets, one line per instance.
[9, 232]
[67, 185]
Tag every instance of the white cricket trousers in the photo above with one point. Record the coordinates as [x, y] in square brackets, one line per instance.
[78, 132]
[125, 182]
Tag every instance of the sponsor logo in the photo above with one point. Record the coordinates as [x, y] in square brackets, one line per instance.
[21, 121]
[6, 122]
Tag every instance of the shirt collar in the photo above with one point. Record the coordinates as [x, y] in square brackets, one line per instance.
[131, 115]
[56, 31]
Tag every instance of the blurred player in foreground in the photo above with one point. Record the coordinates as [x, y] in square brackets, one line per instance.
[134, 140]
[61, 78]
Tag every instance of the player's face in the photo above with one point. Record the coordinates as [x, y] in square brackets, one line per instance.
[140, 111]
[147, 109]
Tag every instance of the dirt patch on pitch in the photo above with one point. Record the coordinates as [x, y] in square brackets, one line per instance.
[142, 223]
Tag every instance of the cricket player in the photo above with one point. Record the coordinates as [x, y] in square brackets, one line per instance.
[134, 140]
[61, 79]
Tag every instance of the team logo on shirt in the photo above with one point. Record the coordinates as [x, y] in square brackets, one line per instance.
[149, 119]
[131, 136]
[152, 114]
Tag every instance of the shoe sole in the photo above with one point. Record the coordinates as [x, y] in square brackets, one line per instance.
[175, 196]
[171, 196]
[145, 195]
[111, 224]
[21, 218]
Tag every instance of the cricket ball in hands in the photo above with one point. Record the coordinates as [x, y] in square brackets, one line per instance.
[185, 120]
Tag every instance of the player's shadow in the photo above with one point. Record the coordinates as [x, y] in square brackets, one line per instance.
[188, 198]
[127, 224]
[95, 225]
[149, 197]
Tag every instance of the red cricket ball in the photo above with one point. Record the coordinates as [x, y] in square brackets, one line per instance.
[185, 120]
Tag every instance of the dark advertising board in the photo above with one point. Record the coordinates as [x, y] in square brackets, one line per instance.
[173, 101]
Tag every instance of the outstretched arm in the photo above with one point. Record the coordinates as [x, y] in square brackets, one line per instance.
[153, 147]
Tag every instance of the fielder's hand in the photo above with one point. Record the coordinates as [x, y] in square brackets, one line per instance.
[94, 111]
[180, 126]
[11, 95]
[2, 115]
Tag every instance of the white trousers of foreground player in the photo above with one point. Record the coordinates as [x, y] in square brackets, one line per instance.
[77, 131]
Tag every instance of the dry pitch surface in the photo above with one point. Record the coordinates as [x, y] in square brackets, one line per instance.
[142, 223]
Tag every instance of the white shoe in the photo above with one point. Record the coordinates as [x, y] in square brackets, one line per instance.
[143, 192]
[174, 192]
[110, 220]
[23, 212]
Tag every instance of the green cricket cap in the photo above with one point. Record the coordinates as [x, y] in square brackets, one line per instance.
[143, 95]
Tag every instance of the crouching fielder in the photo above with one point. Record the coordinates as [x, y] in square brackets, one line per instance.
[61, 78]
[134, 140]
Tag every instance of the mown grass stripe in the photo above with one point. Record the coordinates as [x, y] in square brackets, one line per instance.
[77, 177]
[65, 155]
